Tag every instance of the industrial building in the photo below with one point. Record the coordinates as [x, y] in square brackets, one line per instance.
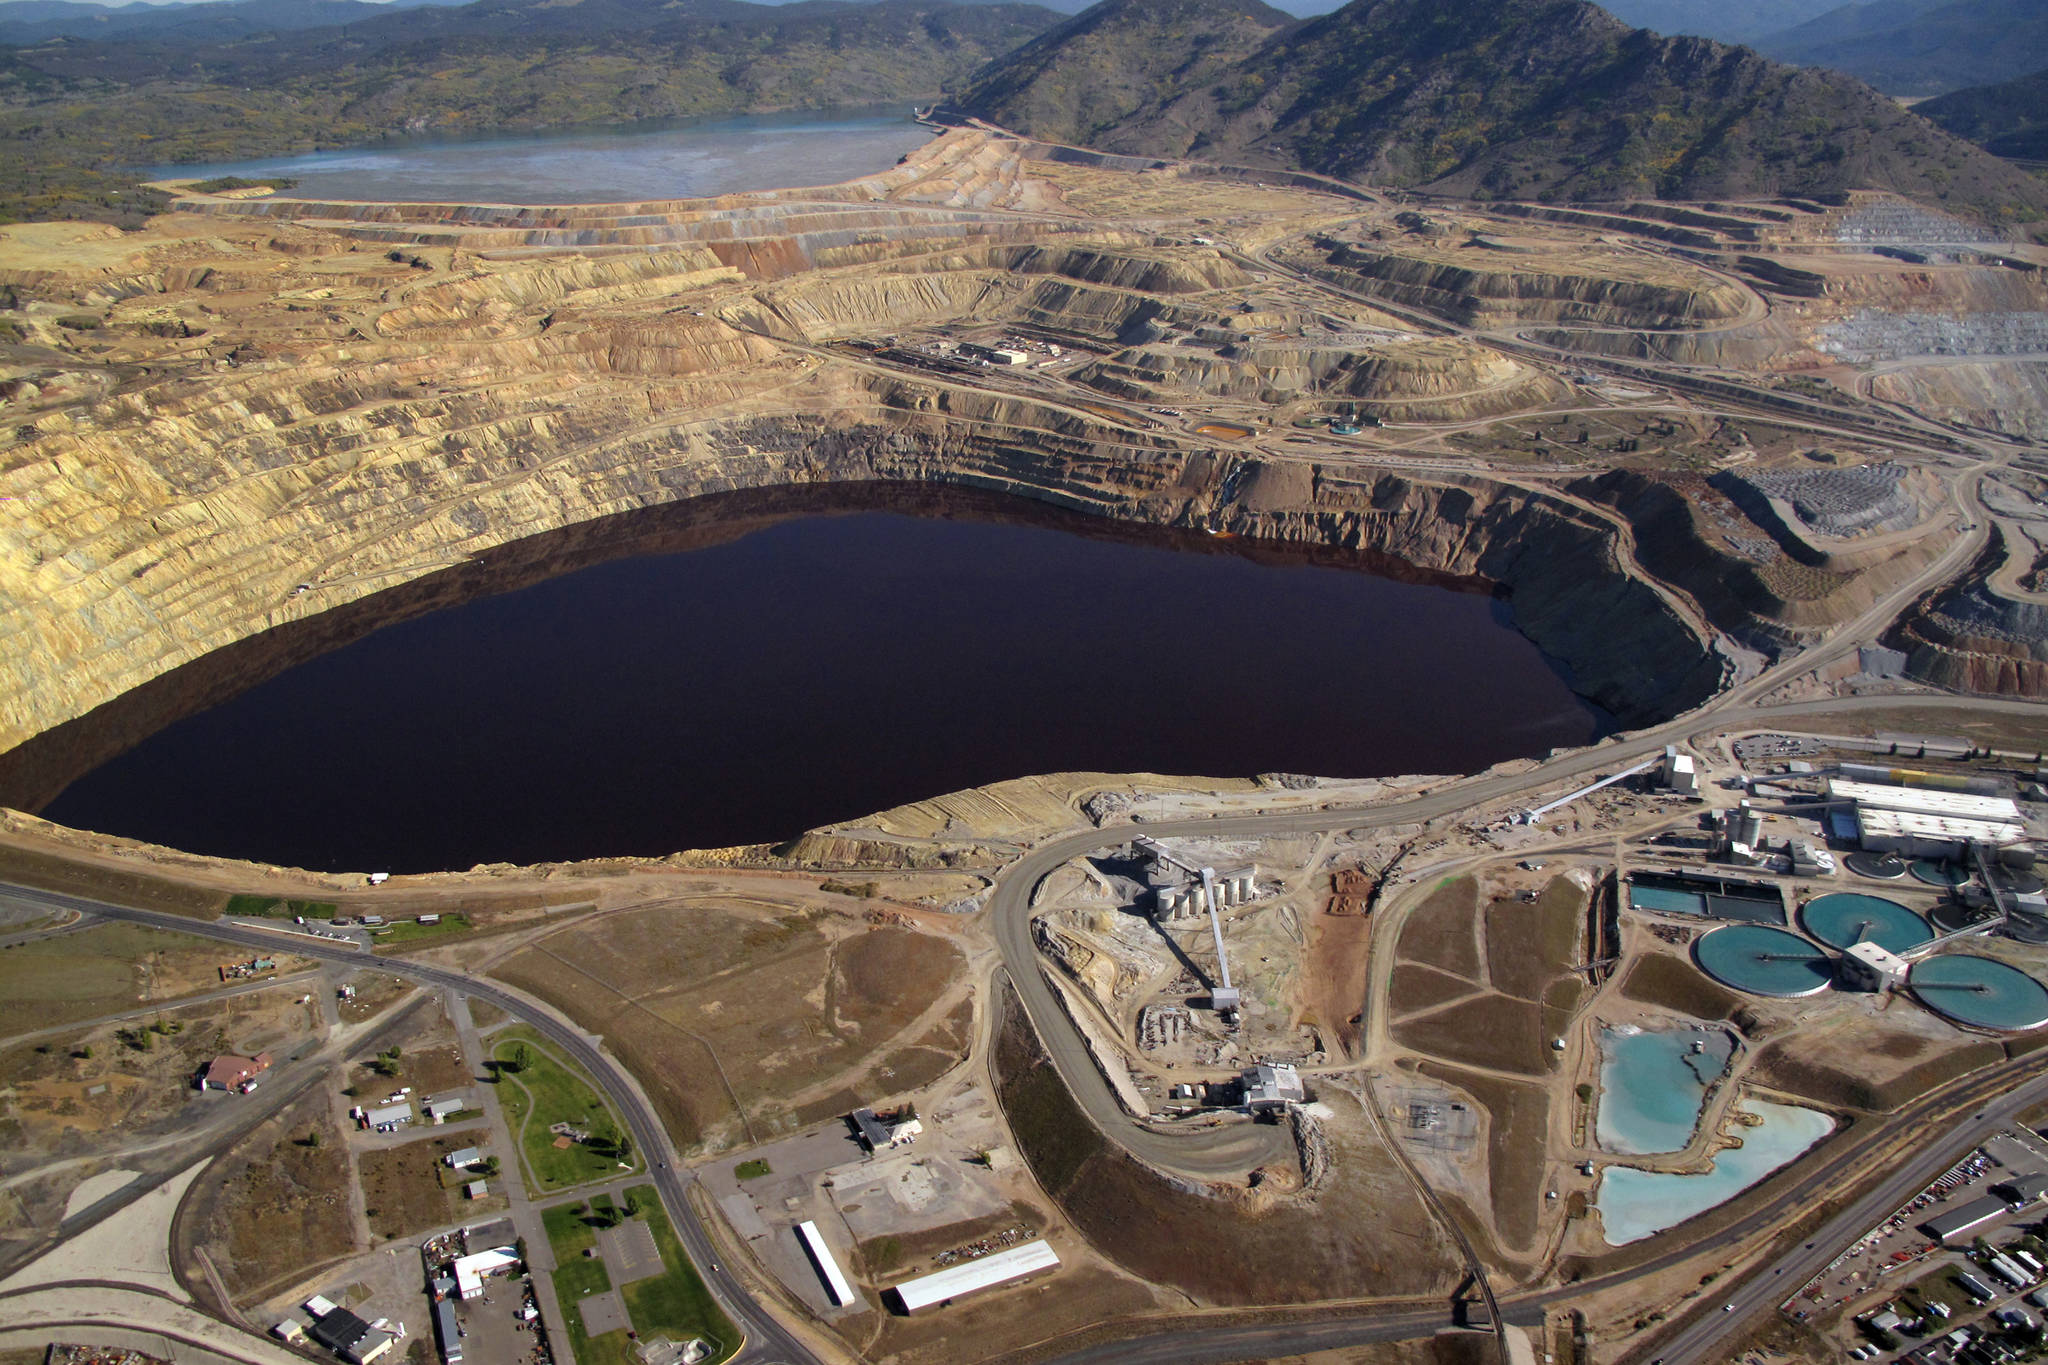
[392, 1114]
[1958, 1223]
[349, 1337]
[1864, 966]
[472, 1271]
[1003, 1267]
[439, 1109]
[1271, 1088]
[447, 1332]
[826, 1264]
[1172, 882]
[1922, 823]
[1681, 773]
[2022, 1190]
[229, 1072]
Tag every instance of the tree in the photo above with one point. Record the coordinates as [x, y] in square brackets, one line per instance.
[622, 1147]
[631, 1207]
[521, 1058]
[490, 1166]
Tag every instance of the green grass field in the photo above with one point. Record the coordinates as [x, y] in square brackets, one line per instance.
[752, 1170]
[577, 1275]
[549, 1091]
[412, 931]
[673, 1304]
[277, 907]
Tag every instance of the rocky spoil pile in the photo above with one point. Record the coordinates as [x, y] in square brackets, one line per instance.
[1842, 502]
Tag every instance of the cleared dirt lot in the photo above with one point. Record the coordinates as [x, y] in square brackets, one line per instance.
[1364, 1233]
[407, 1189]
[131, 1077]
[1515, 1162]
[679, 991]
[1439, 932]
[277, 1206]
[107, 969]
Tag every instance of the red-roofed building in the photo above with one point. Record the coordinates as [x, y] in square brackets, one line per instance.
[228, 1072]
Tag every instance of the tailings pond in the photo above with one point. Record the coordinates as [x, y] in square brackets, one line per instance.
[672, 159]
[794, 669]
[1653, 1083]
[1636, 1204]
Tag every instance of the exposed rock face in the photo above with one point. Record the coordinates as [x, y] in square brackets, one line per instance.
[1973, 638]
[1482, 292]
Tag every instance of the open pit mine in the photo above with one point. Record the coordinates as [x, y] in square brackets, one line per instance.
[1323, 1059]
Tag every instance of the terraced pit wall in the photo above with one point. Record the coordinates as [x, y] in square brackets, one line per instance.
[1618, 641]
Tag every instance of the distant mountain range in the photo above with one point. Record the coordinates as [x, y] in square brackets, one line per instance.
[2010, 119]
[1491, 98]
[1921, 47]
[1730, 21]
[36, 21]
[76, 112]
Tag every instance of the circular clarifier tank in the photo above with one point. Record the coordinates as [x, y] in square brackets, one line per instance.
[1980, 992]
[1763, 961]
[1844, 918]
[1939, 873]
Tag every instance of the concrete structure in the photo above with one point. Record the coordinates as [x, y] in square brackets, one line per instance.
[1923, 823]
[290, 1331]
[1269, 1089]
[1223, 997]
[229, 1072]
[1866, 967]
[471, 1271]
[1913, 777]
[1172, 880]
[986, 1272]
[447, 1333]
[1915, 835]
[1742, 829]
[1958, 1223]
[1811, 860]
[1681, 773]
[826, 1264]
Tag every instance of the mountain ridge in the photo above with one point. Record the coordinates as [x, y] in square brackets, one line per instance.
[1530, 99]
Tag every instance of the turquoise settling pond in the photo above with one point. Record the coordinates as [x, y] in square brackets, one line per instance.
[1637, 1204]
[1980, 992]
[1844, 918]
[1652, 1084]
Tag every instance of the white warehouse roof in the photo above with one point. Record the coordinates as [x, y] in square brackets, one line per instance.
[1905, 824]
[470, 1270]
[985, 1273]
[1873, 795]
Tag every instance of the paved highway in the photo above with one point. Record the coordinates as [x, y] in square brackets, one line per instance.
[766, 1339]
[1699, 1340]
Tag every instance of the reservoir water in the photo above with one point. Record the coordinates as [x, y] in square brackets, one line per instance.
[671, 159]
[787, 670]
[1636, 1204]
[1652, 1084]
